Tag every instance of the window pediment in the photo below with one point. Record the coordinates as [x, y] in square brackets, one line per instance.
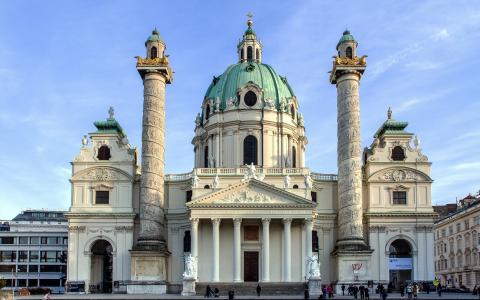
[399, 175]
[102, 174]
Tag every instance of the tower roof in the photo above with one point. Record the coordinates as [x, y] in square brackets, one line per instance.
[110, 125]
[154, 37]
[346, 37]
[392, 127]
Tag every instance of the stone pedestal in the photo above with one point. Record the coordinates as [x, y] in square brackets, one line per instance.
[353, 267]
[314, 287]
[188, 287]
[149, 272]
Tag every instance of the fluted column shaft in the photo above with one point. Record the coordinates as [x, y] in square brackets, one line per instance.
[237, 251]
[287, 250]
[265, 249]
[153, 141]
[216, 249]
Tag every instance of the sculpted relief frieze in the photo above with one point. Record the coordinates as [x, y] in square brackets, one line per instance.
[101, 174]
[398, 175]
[249, 196]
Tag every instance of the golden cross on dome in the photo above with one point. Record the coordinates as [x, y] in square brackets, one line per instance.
[250, 21]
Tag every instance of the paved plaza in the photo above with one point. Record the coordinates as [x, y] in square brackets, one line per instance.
[445, 296]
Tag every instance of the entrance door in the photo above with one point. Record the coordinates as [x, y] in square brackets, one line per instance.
[250, 266]
[400, 263]
[101, 268]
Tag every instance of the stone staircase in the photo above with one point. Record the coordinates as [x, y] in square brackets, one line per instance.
[250, 288]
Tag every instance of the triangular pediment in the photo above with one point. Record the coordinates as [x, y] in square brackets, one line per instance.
[251, 194]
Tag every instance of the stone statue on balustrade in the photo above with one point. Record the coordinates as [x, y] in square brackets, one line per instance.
[190, 267]
[313, 267]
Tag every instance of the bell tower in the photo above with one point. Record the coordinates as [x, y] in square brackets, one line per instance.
[150, 253]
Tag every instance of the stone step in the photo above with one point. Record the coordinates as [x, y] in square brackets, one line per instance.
[250, 288]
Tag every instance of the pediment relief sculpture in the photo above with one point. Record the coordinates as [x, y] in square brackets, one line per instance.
[102, 174]
[400, 175]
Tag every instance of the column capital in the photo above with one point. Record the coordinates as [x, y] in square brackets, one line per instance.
[194, 221]
[237, 221]
[307, 221]
[287, 221]
[216, 221]
[266, 221]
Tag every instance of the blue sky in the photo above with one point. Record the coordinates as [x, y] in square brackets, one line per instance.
[62, 64]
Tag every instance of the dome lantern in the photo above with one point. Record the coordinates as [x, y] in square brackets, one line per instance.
[347, 45]
[249, 49]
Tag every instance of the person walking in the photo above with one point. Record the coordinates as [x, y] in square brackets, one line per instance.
[343, 289]
[367, 295]
[409, 291]
[384, 294]
[415, 290]
[402, 290]
[361, 289]
[439, 290]
[259, 290]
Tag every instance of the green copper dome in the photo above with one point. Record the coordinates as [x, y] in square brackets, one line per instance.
[154, 37]
[345, 37]
[274, 86]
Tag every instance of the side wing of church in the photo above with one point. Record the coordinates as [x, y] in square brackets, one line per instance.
[250, 210]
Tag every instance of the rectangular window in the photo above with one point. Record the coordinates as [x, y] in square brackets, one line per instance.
[51, 240]
[50, 282]
[444, 232]
[65, 240]
[48, 256]
[314, 196]
[43, 240]
[7, 269]
[33, 282]
[22, 268]
[33, 268]
[22, 256]
[34, 256]
[22, 282]
[450, 230]
[188, 196]
[459, 227]
[8, 256]
[23, 240]
[7, 240]
[399, 197]
[102, 197]
[467, 224]
[34, 240]
[476, 220]
[49, 268]
[314, 241]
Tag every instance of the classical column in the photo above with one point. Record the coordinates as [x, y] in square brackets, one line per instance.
[237, 251]
[308, 230]
[194, 237]
[346, 76]
[265, 249]
[287, 250]
[152, 215]
[216, 249]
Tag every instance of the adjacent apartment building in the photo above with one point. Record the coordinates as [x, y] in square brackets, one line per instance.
[33, 250]
[457, 242]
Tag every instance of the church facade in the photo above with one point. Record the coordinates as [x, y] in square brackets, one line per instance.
[250, 210]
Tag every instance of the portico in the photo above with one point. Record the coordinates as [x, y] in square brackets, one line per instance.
[245, 211]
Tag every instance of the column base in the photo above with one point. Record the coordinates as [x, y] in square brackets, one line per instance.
[146, 287]
[352, 244]
[352, 266]
[150, 267]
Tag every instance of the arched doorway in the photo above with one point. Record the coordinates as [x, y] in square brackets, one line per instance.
[101, 267]
[400, 262]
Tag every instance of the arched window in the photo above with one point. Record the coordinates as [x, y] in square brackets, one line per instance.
[205, 157]
[249, 53]
[257, 54]
[295, 186]
[104, 153]
[206, 187]
[292, 111]
[242, 54]
[207, 112]
[294, 157]
[349, 52]
[153, 52]
[187, 242]
[398, 154]
[250, 98]
[250, 150]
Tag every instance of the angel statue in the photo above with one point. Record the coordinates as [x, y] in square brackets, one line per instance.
[216, 182]
[190, 267]
[84, 141]
[308, 181]
[195, 181]
[313, 267]
[286, 182]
